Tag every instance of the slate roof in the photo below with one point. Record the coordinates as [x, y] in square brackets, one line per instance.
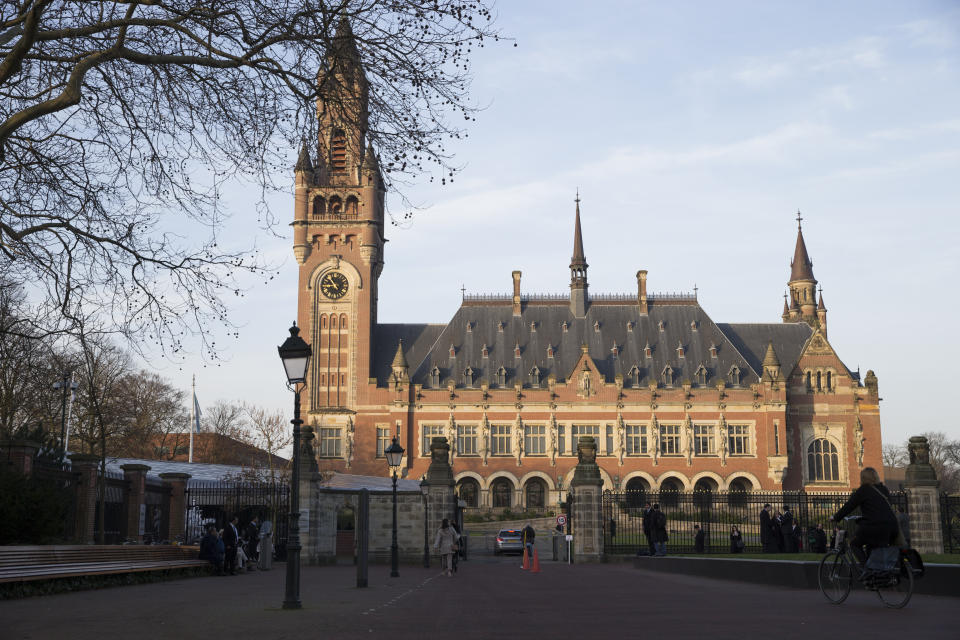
[666, 327]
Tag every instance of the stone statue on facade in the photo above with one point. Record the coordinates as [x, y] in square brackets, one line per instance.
[858, 440]
[655, 434]
[723, 440]
[452, 437]
[348, 442]
[553, 440]
[688, 432]
[518, 436]
[484, 438]
[621, 438]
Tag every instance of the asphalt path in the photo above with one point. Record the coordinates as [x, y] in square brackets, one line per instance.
[489, 597]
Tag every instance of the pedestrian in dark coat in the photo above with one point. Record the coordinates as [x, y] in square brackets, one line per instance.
[796, 538]
[786, 526]
[736, 540]
[766, 530]
[231, 538]
[648, 528]
[208, 549]
[252, 535]
[699, 545]
[819, 539]
[658, 527]
[777, 527]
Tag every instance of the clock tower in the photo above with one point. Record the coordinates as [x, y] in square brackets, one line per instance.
[338, 236]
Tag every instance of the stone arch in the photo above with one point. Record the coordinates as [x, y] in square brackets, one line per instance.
[835, 435]
[502, 474]
[720, 484]
[551, 483]
[638, 486]
[352, 206]
[469, 485]
[535, 492]
[319, 207]
[503, 490]
[745, 476]
[676, 475]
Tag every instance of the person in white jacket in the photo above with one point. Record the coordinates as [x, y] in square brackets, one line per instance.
[446, 542]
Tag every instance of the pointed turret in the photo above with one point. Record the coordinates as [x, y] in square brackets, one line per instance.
[303, 160]
[802, 283]
[399, 366]
[786, 309]
[578, 269]
[822, 314]
[771, 364]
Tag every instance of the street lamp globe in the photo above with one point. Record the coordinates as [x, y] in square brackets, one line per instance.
[295, 354]
[394, 455]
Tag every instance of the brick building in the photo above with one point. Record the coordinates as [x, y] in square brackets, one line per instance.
[674, 399]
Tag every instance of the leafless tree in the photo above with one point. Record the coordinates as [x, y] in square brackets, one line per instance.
[156, 413]
[895, 455]
[122, 122]
[269, 432]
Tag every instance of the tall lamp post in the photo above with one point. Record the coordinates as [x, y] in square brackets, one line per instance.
[394, 455]
[65, 385]
[295, 354]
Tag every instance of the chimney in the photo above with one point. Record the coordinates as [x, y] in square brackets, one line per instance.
[642, 290]
[516, 293]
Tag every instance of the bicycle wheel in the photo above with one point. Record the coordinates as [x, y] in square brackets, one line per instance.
[835, 577]
[896, 594]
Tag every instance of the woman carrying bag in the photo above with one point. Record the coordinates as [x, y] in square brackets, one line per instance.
[446, 542]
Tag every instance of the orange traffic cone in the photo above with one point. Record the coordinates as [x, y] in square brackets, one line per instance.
[536, 562]
[526, 559]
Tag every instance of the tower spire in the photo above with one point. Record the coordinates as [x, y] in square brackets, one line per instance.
[801, 267]
[578, 269]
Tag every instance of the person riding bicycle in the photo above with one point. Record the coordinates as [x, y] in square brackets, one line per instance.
[878, 526]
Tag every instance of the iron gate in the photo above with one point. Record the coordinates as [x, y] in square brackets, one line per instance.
[214, 503]
[716, 513]
[950, 515]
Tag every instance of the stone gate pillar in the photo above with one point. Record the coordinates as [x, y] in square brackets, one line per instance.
[926, 533]
[86, 466]
[177, 483]
[20, 454]
[586, 513]
[438, 487]
[136, 477]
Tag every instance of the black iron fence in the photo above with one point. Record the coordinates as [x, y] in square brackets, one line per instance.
[63, 484]
[950, 517]
[717, 513]
[215, 503]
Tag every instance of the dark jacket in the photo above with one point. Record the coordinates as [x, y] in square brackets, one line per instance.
[208, 547]
[766, 528]
[879, 524]
[529, 535]
[658, 526]
[820, 541]
[646, 522]
[698, 541]
[230, 536]
[736, 540]
[786, 526]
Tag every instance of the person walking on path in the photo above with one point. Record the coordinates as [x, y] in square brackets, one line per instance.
[736, 540]
[767, 542]
[253, 542]
[529, 537]
[446, 542]
[265, 553]
[658, 523]
[231, 538]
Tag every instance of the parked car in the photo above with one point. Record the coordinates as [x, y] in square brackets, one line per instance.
[509, 541]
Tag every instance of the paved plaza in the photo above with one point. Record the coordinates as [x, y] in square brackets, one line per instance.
[489, 598]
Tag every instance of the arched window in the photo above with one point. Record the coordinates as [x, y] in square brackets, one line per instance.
[502, 491]
[823, 462]
[336, 206]
[435, 378]
[809, 381]
[535, 377]
[338, 150]
[667, 376]
[501, 377]
[535, 493]
[737, 493]
[669, 492]
[353, 206]
[323, 321]
[333, 321]
[703, 492]
[468, 377]
[819, 381]
[319, 207]
[829, 381]
[634, 377]
[343, 321]
[637, 490]
[469, 491]
[701, 376]
[734, 376]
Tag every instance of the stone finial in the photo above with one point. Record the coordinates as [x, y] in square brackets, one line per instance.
[587, 471]
[771, 363]
[920, 473]
[303, 160]
[439, 472]
[870, 382]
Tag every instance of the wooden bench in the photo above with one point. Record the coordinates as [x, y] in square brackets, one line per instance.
[23, 564]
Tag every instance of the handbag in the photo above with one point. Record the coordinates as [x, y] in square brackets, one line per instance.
[883, 559]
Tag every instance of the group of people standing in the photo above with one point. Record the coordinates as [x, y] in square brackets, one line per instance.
[233, 547]
[780, 532]
[655, 530]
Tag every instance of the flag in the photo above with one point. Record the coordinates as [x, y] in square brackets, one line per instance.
[196, 413]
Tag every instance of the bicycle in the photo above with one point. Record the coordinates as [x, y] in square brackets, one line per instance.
[837, 568]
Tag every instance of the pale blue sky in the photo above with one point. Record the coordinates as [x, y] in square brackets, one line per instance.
[694, 131]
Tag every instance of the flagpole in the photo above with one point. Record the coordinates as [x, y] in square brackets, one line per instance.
[193, 404]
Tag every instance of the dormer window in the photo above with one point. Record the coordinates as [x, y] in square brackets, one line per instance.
[535, 377]
[468, 377]
[701, 376]
[435, 378]
[713, 351]
[501, 377]
[549, 351]
[500, 327]
[734, 376]
[647, 351]
[469, 327]
[693, 325]
[533, 327]
[596, 326]
[484, 351]
[634, 377]
[661, 326]
[630, 327]
[667, 376]
[516, 351]
[615, 349]
[564, 326]
[453, 351]
[679, 349]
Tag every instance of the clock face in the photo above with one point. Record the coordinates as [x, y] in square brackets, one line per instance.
[334, 285]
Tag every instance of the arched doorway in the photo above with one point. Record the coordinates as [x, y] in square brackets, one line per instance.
[535, 493]
[346, 528]
[703, 492]
[738, 490]
[501, 493]
[637, 492]
[469, 491]
[670, 492]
